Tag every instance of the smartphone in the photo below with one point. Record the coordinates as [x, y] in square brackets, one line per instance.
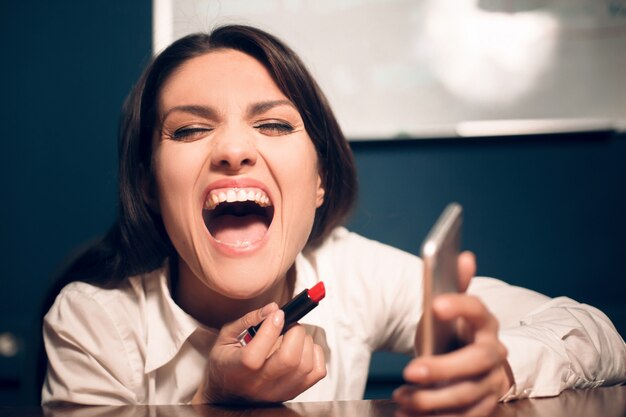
[440, 251]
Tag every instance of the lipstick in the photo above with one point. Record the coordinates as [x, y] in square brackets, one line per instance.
[294, 310]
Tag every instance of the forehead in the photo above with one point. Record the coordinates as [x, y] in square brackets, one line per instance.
[219, 77]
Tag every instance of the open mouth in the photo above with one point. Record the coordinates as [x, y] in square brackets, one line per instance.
[237, 217]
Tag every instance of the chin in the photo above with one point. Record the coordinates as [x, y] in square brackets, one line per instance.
[244, 287]
[242, 276]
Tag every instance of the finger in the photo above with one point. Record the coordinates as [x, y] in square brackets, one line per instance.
[307, 359]
[314, 370]
[293, 384]
[458, 396]
[319, 363]
[234, 329]
[254, 355]
[467, 269]
[478, 325]
[470, 308]
[469, 361]
[288, 356]
[482, 408]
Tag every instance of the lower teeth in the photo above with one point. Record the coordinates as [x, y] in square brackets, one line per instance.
[238, 244]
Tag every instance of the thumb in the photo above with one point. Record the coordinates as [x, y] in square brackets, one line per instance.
[234, 329]
[467, 269]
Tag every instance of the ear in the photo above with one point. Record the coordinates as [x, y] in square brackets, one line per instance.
[319, 199]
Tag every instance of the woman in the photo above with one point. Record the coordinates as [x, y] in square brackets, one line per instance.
[234, 180]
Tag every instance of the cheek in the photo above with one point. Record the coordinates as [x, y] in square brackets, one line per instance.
[176, 166]
[301, 184]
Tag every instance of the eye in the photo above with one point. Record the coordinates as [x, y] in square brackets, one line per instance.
[274, 128]
[190, 133]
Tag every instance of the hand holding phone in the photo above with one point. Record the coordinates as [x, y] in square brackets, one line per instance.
[433, 377]
[440, 252]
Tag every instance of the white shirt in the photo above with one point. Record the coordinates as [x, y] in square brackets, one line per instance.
[135, 345]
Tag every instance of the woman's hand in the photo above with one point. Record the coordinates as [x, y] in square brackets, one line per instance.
[270, 368]
[468, 381]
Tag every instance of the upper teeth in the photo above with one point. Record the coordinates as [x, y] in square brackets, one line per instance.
[231, 195]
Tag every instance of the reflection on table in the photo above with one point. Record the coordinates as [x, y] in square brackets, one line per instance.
[600, 402]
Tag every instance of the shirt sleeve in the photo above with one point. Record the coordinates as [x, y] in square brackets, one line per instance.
[88, 359]
[382, 288]
[553, 343]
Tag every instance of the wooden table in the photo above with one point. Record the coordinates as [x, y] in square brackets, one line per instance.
[600, 402]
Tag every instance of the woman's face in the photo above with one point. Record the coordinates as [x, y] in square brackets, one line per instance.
[236, 173]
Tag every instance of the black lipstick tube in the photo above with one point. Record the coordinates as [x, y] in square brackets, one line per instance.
[294, 310]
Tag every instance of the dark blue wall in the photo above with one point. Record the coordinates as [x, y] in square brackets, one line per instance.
[544, 212]
[66, 68]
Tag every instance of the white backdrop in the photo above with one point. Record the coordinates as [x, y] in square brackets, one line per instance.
[410, 68]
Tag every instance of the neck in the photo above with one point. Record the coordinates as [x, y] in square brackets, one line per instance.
[214, 309]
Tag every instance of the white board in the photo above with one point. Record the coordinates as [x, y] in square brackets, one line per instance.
[407, 68]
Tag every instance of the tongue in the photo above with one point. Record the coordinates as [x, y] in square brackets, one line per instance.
[236, 230]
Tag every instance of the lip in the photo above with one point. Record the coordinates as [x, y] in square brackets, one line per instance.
[237, 183]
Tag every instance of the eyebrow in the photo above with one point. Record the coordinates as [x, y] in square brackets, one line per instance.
[202, 111]
[208, 112]
[261, 107]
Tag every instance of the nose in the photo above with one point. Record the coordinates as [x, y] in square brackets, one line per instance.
[234, 151]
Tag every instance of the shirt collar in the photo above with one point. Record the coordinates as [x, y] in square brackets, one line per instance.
[167, 325]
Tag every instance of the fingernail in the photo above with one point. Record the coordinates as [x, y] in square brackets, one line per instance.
[441, 303]
[279, 317]
[420, 372]
[399, 395]
[267, 310]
